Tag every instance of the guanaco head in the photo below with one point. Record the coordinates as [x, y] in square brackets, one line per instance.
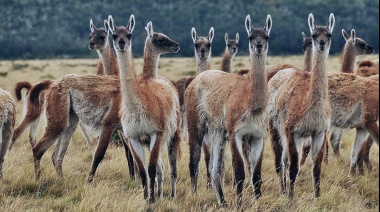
[232, 45]
[159, 42]
[122, 36]
[321, 35]
[98, 37]
[202, 45]
[306, 42]
[360, 47]
[258, 37]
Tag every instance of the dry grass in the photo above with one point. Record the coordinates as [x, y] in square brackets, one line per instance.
[113, 190]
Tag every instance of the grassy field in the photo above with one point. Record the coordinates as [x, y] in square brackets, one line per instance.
[113, 190]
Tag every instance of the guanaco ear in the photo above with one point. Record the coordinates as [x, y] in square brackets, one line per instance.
[194, 34]
[268, 26]
[311, 23]
[345, 35]
[111, 23]
[331, 23]
[131, 23]
[248, 24]
[353, 35]
[92, 26]
[237, 38]
[106, 25]
[226, 37]
[303, 36]
[149, 29]
[211, 34]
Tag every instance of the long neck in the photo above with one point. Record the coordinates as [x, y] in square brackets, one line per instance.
[348, 58]
[307, 60]
[150, 61]
[203, 64]
[318, 92]
[226, 62]
[107, 60]
[259, 94]
[128, 82]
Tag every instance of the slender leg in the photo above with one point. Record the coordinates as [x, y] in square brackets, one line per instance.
[293, 159]
[255, 158]
[128, 154]
[207, 155]
[100, 150]
[336, 135]
[361, 135]
[238, 163]
[174, 152]
[63, 144]
[218, 148]
[317, 150]
[139, 158]
[277, 152]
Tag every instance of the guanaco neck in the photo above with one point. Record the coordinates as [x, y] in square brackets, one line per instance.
[259, 93]
[226, 61]
[348, 58]
[150, 61]
[318, 91]
[107, 59]
[203, 64]
[128, 83]
[307, 60]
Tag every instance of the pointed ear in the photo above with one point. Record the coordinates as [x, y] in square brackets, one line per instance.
[353, 35]
[111, 24]
[194, 34]
[311, 23]
[106, 25]
[92, 26]
[268, 27]
[331, 23]
[345, 35]
[248, 24]
[237, 38]
[211, 34]
[303, 36]
[149, 29]
[226, 37]
[131, 23]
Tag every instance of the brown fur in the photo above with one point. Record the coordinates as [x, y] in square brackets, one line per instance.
[68, 100]
[21, 85]
[367, 68]
[212, 110]
[149, 106]
[299, 108]
[7, 123]
[229, 53]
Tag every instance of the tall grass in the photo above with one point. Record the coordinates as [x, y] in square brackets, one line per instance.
[113, 190]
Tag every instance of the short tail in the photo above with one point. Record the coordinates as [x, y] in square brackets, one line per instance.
[36, 90]
[21, 85]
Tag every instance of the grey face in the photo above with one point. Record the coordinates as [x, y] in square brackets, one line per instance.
[307, 43]
[122, 38]
[321, 37]
[258, 41]
[362, 47]
[232, 46]
[202, 47]
[164, 44]
[98, 39]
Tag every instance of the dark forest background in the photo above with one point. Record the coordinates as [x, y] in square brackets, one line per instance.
[43, 29]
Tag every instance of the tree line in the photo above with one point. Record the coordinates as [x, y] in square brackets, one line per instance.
[43, 29]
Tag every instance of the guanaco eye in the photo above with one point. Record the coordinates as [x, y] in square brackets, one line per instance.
[266, 37]
[314, 36]
[102, 37]
[129, 36]
[196, 45]
[237, 45]
[250, 38]
[329, 35]
[114, 36]
[208, 45]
